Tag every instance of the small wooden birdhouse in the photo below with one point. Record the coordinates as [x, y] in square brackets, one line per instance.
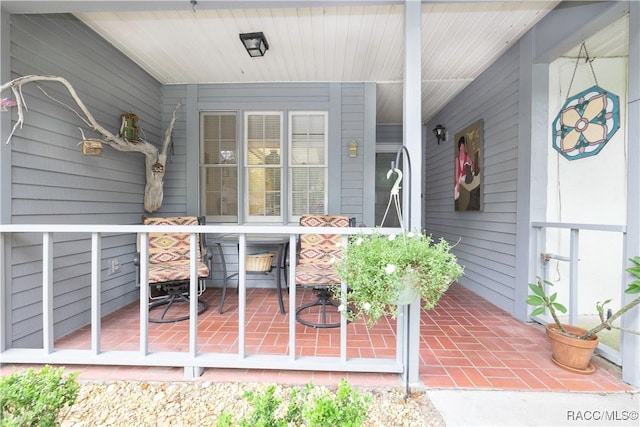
[91, 147]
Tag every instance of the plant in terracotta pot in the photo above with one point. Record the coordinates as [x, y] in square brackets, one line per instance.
[384, 270]
[572, 347]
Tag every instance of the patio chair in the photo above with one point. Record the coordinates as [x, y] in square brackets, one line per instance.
[315, 269]
[169, 274]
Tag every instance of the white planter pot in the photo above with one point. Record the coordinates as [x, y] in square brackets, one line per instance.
[409, 294]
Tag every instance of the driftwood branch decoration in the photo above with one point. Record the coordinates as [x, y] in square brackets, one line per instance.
[155, 159]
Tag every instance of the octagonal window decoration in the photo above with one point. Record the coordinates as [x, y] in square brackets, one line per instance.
[586, 122]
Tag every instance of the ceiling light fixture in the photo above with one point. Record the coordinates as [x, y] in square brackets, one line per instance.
[255, 43]
[440, 132]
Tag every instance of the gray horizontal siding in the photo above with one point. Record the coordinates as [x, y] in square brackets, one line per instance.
[258, 96]
[52, 182]
[487, 239]
[352, 127]
[175, 186]
[388, 134]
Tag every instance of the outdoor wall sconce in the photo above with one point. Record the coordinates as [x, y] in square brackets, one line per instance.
[440, 132]
[255, 43]
[353, 148]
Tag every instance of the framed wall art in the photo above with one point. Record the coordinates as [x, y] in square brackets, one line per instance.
[468, 151]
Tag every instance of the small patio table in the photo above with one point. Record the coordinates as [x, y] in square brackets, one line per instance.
[280, 240]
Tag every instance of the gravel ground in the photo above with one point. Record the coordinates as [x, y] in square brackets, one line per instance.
[132, 403]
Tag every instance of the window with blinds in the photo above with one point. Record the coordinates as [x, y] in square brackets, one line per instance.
[219, 166]
[260, 161]
[263, 166]
[307, 163]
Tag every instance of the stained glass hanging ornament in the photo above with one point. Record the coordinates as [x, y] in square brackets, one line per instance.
[587, 120]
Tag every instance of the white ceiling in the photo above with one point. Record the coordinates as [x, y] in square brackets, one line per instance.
[335, 43]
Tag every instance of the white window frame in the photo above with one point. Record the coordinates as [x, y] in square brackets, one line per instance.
[290, 166]
[204, 166]
[245, 172]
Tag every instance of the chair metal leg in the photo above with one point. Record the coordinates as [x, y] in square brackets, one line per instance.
[224, 277]
[175, 294]
[224, 290]
[281, 259]
[324, 299]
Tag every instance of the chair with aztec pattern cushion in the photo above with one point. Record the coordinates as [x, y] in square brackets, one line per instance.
[169, 262]
[315, 265]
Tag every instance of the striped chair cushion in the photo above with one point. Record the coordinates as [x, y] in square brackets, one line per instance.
[172, 271]
[318, 250]
[169, 252]
[312, 274]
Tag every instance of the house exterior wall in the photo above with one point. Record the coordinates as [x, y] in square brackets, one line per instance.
[348, 120]
[487, 238]
[512, 97]
[52, 182]
[388, 134]
[516, 89]
[495, 243]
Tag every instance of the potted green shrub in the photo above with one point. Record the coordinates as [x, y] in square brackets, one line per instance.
[571, 346]
[380, 270]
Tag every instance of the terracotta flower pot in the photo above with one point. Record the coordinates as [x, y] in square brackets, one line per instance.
[570, 352]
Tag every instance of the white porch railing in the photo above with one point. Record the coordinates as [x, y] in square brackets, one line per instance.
[192, 360]
[543, 256]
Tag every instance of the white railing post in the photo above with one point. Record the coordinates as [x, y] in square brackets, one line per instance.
[242, 295]
[193, 292]
[96, 256]
[401, 337]
[193, 362]
[292, 295]
[574, 255]
[47, 292]
[144, 293]
[573, 261]
[193, 371]
[343, 320]
[3, 299]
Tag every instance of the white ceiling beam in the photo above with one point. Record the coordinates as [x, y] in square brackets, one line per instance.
[83, 6]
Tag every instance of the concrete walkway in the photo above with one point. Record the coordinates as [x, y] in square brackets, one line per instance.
[519, 408]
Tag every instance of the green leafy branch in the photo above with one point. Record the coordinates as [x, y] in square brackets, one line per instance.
[542, 302]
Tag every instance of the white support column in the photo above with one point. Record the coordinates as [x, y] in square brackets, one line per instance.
[631, 343]
[412, 136]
